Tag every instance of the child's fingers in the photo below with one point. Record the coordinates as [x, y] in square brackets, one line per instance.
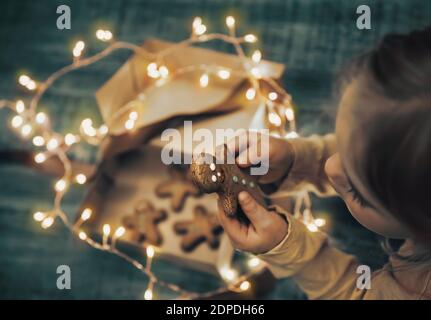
[238, 143]
[253, 210]
[250, 157]
[249, 154]
[232, 227]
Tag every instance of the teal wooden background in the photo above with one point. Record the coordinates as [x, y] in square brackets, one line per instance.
[314, 38]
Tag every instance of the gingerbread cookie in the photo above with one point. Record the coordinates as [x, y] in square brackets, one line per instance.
[203, 228]
[227, 180]
[178, 188]
[143, 223]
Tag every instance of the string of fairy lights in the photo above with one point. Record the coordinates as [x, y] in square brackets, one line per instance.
[37, 127]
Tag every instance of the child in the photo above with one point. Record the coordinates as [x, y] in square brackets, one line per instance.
[378, 161]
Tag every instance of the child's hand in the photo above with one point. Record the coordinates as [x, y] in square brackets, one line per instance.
[250, 146]
[265, 231]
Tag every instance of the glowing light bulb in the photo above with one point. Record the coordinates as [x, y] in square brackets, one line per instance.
[90, 131]
[133, 115]
[291, 135]
[60, 185]
[39, 216]
[148, 295]
[87, 122]
[100, 34]
[76, 53]
[129, 124]
[255, 72]
[78, 48]
[39, 158]
[250, 94]
[26, 130]
[81, 178]
[108, 35]
[273, 96]
[119, 232]
[245, 285]
[103, 129]
[31, 85]
[24, 80]
[254, 262]
[204, 80]
[319, 222]
[52, 144]
[87, 127]
[86, 214]
[47, 222]
[152, 66]
[154, 74]
[80, 45]
[17, 121]
[38, 141]
[104, 35]
[256, 56]
[230, 21]
[198, 27]
[290, 115]
[197, 21]
[41, 118]
[70, 139]
[150, 251]
[152, 70]
[312, 227]
[224, 74]
[164, 72]
[27, 82]
[20, 106]
[82, 235]
[228, 274]
[274, 119]
[106, 229]
[201, 30]
[250, 38]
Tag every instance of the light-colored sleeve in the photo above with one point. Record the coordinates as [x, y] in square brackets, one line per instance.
[308, 169]
[320, 270]
[324, 272]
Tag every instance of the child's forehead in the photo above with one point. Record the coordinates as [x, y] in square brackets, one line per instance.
[359, 105]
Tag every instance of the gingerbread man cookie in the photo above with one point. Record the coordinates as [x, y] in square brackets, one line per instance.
[203, 228]
[143, 223]
[178, 188]
[227, 180]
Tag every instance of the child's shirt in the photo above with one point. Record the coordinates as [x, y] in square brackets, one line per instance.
[321, 270]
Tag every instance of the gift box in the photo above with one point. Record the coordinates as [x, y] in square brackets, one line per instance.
[130, 170]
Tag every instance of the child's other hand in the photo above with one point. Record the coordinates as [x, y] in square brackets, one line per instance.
[265, 231]
[250, 146]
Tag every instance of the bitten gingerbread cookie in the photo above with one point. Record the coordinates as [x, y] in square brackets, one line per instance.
[178, 188]
[143, 223]
[227, 180]
[203, 228]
